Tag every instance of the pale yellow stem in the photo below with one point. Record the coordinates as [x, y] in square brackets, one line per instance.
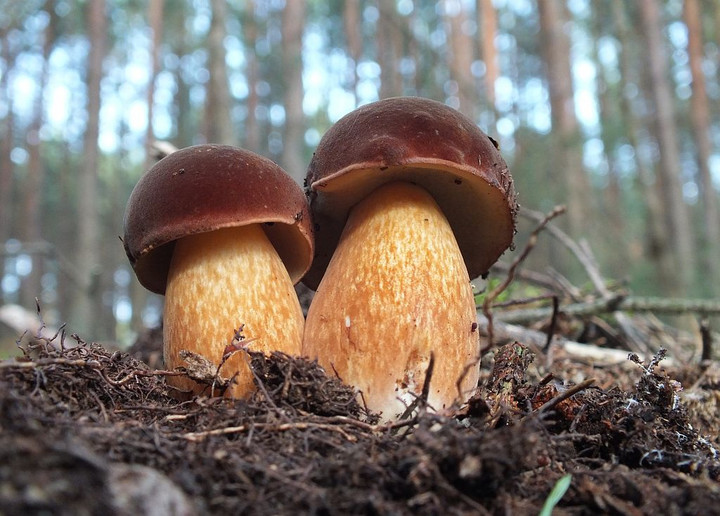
[396, 289]
[219, 281]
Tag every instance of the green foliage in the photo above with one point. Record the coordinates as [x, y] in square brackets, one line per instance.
[561, 487]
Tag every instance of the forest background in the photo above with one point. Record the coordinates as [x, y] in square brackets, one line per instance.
[609, 107]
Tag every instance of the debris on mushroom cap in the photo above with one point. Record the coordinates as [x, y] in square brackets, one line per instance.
[208, 187]
[423, 142]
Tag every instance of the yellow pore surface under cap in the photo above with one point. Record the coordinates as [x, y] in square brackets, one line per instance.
[395, 290]
[219, 281]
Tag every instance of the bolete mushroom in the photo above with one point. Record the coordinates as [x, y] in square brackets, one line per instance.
[224, 234]
[411, 200]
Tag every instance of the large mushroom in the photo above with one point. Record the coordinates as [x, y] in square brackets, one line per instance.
[224, 234]
[411, 200]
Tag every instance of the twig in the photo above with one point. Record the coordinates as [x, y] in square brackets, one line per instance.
[565, 395]
[618, 302]
[575, 248]
[494, 293]
[331, 423]
[553, 323]
[523, 301]
[539, 279]
[90, 364]
[707, 340]
[584, 255]
[422, 399]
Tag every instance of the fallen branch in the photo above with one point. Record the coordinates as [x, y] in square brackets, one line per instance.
[600, 356]
[21, 320]
[660, 305]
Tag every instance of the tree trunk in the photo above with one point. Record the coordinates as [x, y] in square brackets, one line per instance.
[677, 220]
[293, 24]
[32, 205]
[218, 121]
[7, 168]
[460, 57]
[613, 209]
[252, 128]
[566, 134]
[353, 35]
[487, 25]
[88, 301]
[184, 116]
[700, 119]
[657, 241]
[155, 17]
[138, 294]
[388, 50]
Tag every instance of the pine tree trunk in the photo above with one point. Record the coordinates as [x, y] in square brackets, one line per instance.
[6, 146]
[487, 25]
[460, 57]
[567, 140]
[677, 220]
[87, 301]
[184, 120]
[388, 51]
[252, 128]
[700, 119]
[613, 208]
[218, 123]
[353, 35]
[138, 294]
[657, 241]
[293, 24]
[32, 206]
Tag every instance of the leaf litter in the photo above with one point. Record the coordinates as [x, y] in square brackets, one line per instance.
[87, 430]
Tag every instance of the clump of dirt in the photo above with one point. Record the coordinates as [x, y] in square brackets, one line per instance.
[84, 430]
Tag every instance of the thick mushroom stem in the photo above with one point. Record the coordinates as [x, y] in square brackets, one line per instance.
[217, 282]
[395, 290]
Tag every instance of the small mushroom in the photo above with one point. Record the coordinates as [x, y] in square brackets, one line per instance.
[411, 200]
[224, 234]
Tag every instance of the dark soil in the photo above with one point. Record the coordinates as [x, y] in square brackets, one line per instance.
[84, 430]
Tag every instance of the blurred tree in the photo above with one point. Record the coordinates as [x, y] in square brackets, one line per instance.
[6, 142]
[486, 18]
[252, 132]
[156, 9]
[272, 76]
[460, 58]
[155, 18]
[388, 37]
[86, 304]
[700, 122]
[613, 205]
[31, 230]
[293, 143]
[218, 126]
[353, 36]
[573, 186]
[670, 181]
[657, 242]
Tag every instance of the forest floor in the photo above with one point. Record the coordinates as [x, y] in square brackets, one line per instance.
[87, 430]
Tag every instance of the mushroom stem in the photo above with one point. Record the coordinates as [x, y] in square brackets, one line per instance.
[396, 289]
[218, 281]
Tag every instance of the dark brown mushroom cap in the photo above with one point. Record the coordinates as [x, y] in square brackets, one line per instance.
[208, 187]
[423, 142]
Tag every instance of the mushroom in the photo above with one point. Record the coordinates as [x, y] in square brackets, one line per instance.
[224, 234]
[411, 200]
